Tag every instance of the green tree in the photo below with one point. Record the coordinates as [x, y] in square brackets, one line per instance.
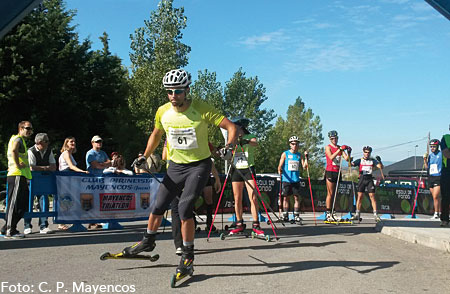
[156, 48]
[302, 123]
[243, 97]
[48, 77]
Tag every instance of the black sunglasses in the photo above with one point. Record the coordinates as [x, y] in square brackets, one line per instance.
[28, 128]
[175, 92]
[98, 141]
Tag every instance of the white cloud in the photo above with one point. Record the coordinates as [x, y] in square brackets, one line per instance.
[273, 39]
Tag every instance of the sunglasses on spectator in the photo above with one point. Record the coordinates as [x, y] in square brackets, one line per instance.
[98, 141]
[294, 143]
[28, 128]
[44, 141]
[175, 92]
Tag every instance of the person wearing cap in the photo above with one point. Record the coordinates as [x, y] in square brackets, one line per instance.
[18, 175]
[289, 171]
[445, 179]
[433, 164]
[41, 158]
[96, 159]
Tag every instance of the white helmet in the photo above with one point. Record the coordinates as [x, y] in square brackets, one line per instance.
[293, 139]
[177, 78]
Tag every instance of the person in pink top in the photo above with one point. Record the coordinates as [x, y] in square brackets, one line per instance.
[334, 154]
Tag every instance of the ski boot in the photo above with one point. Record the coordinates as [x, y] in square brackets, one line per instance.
[298, 219]
[186, 266]
[376, 218]
[147, 244]
[356, 217]
[258, 233]
[238, 230]
[285, 218]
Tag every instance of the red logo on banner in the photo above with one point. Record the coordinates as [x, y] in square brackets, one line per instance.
[117, 201]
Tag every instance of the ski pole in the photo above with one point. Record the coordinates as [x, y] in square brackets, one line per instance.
[310, 190]
[337, 185]
[259, 194]
[220, 198]
[280, 199]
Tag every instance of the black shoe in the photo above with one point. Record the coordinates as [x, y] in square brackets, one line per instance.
[186, 262]
[147, 244]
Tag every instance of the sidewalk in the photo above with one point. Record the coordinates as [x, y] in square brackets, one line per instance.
[421, 230]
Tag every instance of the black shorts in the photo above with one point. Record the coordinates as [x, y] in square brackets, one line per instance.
[288, 189]
[366, 182]
[242, 175]
[185, 180]
[332, 176]
[434, 181]
[210, 182]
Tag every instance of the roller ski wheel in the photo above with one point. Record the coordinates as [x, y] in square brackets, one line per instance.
[261, 236]
[120, 255]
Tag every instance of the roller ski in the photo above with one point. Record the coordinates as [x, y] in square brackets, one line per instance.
[186, 266]
[147, 244]
[297, 220]
[120, 255]
[357, 218]
[257, 233]
[331, 218]
[239, 230]
[230, 227]
[377, 218]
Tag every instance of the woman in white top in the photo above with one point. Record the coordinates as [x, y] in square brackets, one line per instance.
[118, 167]
[66, 160]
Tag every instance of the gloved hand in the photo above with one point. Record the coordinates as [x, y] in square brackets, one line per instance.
[349, 149]
[343, 147]
[306, 154]
[425, 156]
[243, 141]
[140, 162]
[226, 153]
[378, 158]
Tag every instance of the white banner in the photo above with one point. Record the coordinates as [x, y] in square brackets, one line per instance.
[84, 198]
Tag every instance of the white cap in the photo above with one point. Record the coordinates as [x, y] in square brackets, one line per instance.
[96, 138]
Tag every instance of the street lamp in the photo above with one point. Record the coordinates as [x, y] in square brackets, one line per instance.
[415, 153]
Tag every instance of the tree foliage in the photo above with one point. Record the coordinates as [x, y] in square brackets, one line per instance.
[302, 123]
[48, 77]
[243, 98]
[156, 48]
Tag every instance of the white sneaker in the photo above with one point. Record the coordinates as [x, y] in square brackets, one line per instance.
[27, 231]
[179, 251]
[435, 216]
[46, 231]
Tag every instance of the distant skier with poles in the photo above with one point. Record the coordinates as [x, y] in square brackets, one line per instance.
[289, 171]
[241, 175]
[366, 166]
[445, 179]
[185, 123]
[333, 153]
[433, 164]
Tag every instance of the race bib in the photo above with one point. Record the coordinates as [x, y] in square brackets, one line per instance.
[366, 169]
[240, 160]
[293, 165]
[336, 160]
[434, 169]
[182, 138]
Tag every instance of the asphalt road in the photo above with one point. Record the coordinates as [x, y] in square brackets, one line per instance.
[307, 259]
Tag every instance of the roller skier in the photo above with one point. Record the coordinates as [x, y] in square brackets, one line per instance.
[185, 123]
[433, 164]
[289, 171]
[333, 153]
[366, 166]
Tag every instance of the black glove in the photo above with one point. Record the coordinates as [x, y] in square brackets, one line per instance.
[226, 153]
[378, 158]
[243, 141]
[140, 162]
[349, 149]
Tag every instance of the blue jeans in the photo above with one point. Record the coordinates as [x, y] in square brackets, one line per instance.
[43, 222]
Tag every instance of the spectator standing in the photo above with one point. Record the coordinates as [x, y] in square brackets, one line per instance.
[118, 166]
[18, 175]
[96, 159]
[445, 179]
[41, 158]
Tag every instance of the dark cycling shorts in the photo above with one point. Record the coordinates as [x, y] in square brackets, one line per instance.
[210, 182]
[288, 189]
[187, 181]
[332, 176]
[242, 175]
[366, 182]
[434, 181]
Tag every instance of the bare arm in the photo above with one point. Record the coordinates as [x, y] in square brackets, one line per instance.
[280, 165]
[101, 165]
[153, 141]
[66, 156]
[231, 128]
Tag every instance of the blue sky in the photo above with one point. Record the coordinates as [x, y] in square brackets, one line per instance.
[377, 71]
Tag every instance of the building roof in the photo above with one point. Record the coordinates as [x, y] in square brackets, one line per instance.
[409, 167]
